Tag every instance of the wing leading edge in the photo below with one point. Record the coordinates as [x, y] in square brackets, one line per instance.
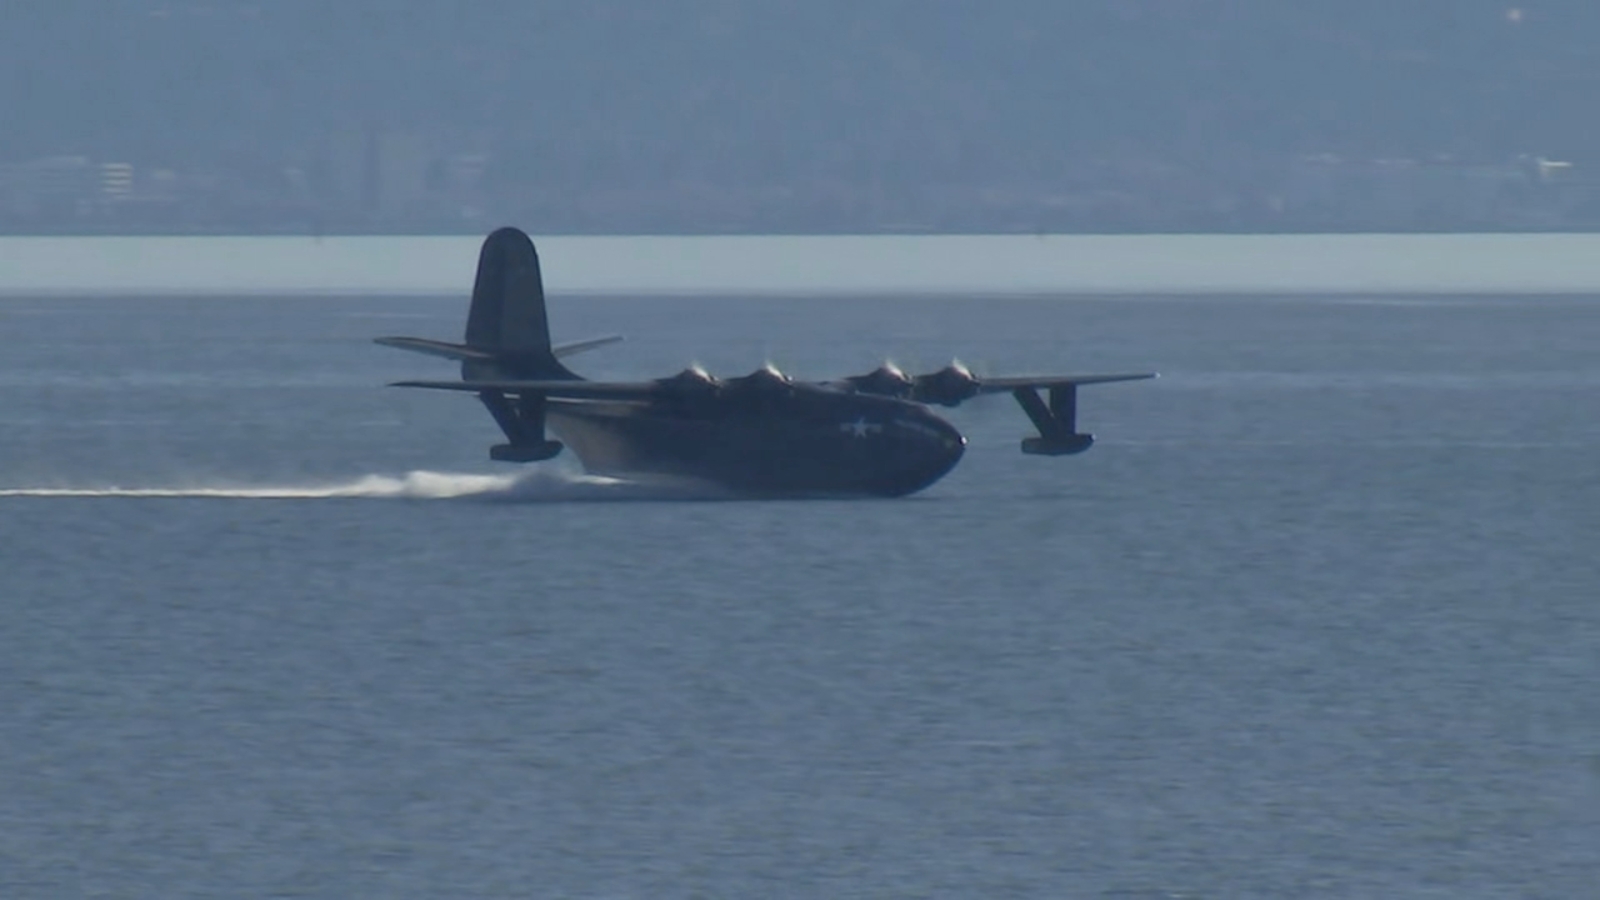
[1011, 383]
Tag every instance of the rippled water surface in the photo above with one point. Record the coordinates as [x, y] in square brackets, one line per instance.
[1319, 616]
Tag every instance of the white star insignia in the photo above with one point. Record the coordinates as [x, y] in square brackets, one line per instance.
[859, 427]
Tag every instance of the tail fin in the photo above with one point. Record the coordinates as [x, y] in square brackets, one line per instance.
[507, 318]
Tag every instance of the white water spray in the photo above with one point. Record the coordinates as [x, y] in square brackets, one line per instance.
[532, 486]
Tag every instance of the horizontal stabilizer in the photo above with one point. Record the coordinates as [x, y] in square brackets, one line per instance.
[575, 390]
[576, 347]
[461, 352]
[441, 349]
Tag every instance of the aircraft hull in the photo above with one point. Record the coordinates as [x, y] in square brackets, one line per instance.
[880, 447]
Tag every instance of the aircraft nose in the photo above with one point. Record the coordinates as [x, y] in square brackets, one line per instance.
[945, 450]
[932, 449]
[953, 442]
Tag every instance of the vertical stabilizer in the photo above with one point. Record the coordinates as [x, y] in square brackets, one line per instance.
[507, 318]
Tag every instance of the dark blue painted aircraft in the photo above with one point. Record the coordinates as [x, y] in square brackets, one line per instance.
[758, 435]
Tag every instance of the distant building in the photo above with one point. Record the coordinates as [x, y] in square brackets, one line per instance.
[50, 188]
[116, 180]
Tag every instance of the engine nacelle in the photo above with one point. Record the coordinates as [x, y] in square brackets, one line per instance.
[949, 386]
[693, 380]
[886, 380]
[766, 380]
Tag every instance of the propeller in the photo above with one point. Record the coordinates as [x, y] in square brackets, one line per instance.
[694, 380]
[886, 379]
[765, 379]
[947, 387]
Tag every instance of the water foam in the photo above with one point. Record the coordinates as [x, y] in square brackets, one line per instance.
[531, 486]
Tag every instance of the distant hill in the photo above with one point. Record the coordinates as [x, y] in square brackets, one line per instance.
[811, 101]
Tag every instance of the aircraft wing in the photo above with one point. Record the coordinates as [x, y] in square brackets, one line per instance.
[573, 390]
[1011, 383]
[1057, 417]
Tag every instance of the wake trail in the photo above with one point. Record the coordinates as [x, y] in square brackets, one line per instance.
[535, 486]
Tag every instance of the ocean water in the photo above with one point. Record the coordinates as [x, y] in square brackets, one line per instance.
[1319, 616]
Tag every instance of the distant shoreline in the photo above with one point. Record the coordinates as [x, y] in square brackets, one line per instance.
[815, 265]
